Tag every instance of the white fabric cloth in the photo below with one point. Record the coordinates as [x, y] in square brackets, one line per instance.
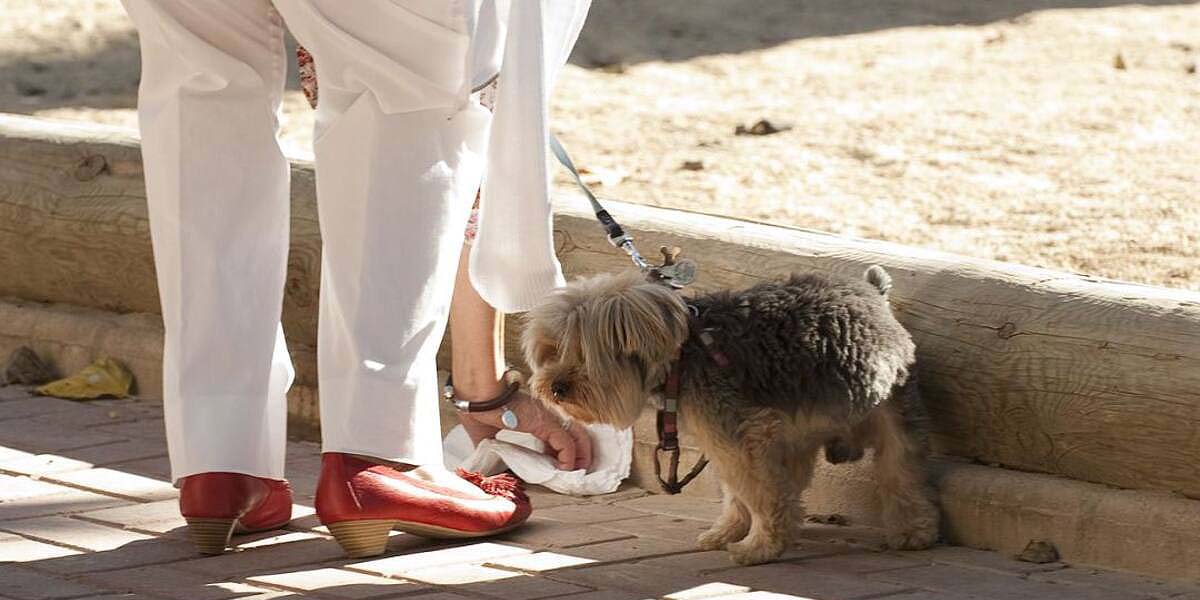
[522, 453]
[400, 151]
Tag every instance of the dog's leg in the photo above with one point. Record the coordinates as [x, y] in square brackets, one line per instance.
[731, 526]
[909, 515]
[757, 474]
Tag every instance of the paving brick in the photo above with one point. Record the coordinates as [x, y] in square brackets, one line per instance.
[1127, 582]
[993, 585]
[716, 561]
[631, 549]
[541, 533]
[150, 428]
[626, 491]
[28, 407]
[303, 475]
[926, 595]
[265, 559]
[787, 578]
[264, 539]
[15, 487]
[117, 483]
[336, 583]
[170, 582]
[539, 562]
[134, 554]
[592, 513]
[21, 497]
[760, 595]
[439, 596]
[158, 467]
[606, 595]
[860, 562]
[459, 574]
[121, 597]
[84, 416]
[25, 584]
[15, 392]
[980, 559]
[662, 527]
[708, 590]
[522, 588]
[639, 578]
[43, 436]
[695, 563]
[544, 499]
[676, 506]
[310, 523]
[400, 565]
[15, 548]
[7, 453]
[154, 517]
[302, 450]
[867, 537]
[120, 452]
[40, 465]
[76, 533]
[144, 408]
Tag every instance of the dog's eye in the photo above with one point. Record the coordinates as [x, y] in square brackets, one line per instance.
[560, 389]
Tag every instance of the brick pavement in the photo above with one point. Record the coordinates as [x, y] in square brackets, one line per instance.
[85, 513]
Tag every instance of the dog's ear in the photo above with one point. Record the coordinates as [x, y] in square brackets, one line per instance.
[647, 321]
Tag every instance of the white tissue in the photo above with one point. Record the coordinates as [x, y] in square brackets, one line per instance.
[612, 453]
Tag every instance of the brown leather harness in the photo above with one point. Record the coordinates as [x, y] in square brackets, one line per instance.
[668, 411]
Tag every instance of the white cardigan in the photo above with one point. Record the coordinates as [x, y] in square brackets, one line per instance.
[512, 262]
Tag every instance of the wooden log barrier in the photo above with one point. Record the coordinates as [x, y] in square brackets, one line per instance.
[1026, 368]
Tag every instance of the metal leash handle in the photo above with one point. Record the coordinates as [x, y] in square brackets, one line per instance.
[616, 235]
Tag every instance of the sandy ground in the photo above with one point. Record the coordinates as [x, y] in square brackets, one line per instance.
[1062, 133]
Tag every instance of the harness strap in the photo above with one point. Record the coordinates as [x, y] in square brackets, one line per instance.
[668, 438]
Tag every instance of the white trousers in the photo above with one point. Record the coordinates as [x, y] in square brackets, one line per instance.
[398, 149]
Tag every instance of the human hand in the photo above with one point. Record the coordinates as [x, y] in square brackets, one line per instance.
[570, 446]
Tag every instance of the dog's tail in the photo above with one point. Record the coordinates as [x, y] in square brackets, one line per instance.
[879, 278]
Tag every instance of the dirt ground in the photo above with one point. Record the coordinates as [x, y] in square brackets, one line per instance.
[1060, 133]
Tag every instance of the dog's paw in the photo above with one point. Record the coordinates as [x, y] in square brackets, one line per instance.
[714, 539]
[917, 538]
[755, 552]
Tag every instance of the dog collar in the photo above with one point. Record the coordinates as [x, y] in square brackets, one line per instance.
[706, 338]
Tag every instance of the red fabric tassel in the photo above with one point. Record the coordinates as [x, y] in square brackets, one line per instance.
[503, 485]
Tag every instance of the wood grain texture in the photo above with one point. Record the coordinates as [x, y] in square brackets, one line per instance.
[1027, 368]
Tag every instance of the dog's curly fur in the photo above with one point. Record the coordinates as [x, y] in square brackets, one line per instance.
[814, 362]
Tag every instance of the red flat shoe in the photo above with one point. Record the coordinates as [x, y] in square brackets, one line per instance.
[361, 501]
[215, 505]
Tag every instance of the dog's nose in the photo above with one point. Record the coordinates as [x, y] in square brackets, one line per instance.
[559, 389]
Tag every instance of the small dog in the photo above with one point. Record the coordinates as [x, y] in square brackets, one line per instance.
[810, 362]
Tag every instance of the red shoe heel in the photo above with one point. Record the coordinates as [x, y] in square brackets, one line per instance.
[360, 539]
[215, 505]
[211, 536]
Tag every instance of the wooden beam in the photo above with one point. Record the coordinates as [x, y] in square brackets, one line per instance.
[1027, 368]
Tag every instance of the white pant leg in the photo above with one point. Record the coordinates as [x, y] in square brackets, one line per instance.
[398, 156]
[217, 185]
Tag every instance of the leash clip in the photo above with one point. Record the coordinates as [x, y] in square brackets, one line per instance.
[674, 272]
